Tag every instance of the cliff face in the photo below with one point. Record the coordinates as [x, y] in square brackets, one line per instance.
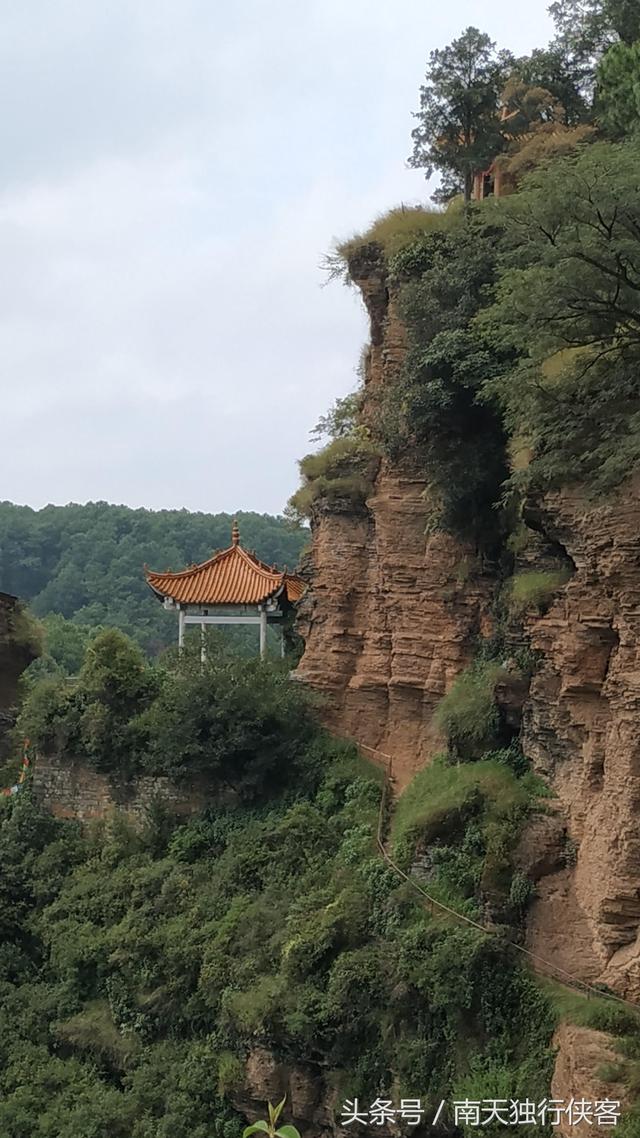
[581, 733]
[391, 618]
[392, 613]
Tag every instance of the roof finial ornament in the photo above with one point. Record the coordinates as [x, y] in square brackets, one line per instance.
[235, 533]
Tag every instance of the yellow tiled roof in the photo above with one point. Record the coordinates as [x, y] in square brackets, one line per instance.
[232, 577]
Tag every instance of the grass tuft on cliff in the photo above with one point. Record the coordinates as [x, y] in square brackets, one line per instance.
[395, 229]
[390, 233]
[468, 714]
[534, 589]
[589, 1010]
[340, 475]
[466, 818]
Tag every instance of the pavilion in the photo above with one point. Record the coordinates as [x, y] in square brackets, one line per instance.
[232, 587]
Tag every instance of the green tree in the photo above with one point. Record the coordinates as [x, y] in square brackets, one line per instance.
[553, 70]
[569, 308]
[436, 410]
[238, 721]
[136, 976]
[625, 19]
[115, 684]
[458, 130]
[97, 714]
[586, 29]
[65, 643]
[619, 90]
[538, 130]
[341, 419]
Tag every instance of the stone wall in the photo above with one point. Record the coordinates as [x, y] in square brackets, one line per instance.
[71, 789]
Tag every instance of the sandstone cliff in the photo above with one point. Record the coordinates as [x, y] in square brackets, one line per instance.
[391, 618]
[393, 611]
[581, 733]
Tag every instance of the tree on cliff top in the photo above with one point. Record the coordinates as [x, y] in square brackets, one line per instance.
[568, 305]
[587, 29]
[619, 90]
[458, 130]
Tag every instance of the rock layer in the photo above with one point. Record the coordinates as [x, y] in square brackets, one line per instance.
[392, 617]
[310, 1100]
[581, 733]
[582, 1054]
[393, 611]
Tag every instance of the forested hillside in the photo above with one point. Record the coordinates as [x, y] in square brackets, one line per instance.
[85, 562]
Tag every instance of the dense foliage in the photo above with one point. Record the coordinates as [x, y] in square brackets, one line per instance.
[445, 279]
[241, 723]
[569, 307]
[466, 116]
[619, 90]
[458, 131]
[138, 968]
[85, 563]
[586, 29]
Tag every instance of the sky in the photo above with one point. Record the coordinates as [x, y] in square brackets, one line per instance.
[172, 173]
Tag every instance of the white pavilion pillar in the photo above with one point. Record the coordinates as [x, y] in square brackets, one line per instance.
[203, 644]
[180, 629]
[263, 632]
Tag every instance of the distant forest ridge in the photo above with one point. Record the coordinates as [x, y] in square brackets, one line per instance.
[85, 562]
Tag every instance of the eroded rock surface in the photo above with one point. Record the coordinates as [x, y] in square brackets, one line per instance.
[310, 1099]
[582, 1055]
[393, 611]
[582, 734]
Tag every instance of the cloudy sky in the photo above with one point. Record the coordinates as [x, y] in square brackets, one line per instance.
[172, 173]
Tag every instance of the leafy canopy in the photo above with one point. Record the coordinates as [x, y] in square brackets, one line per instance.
[587, 28]
[569, 308]
[138, 970]
[619, 90]
[458, 131]
[240, 722]
[553, 70]
[435, 409]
